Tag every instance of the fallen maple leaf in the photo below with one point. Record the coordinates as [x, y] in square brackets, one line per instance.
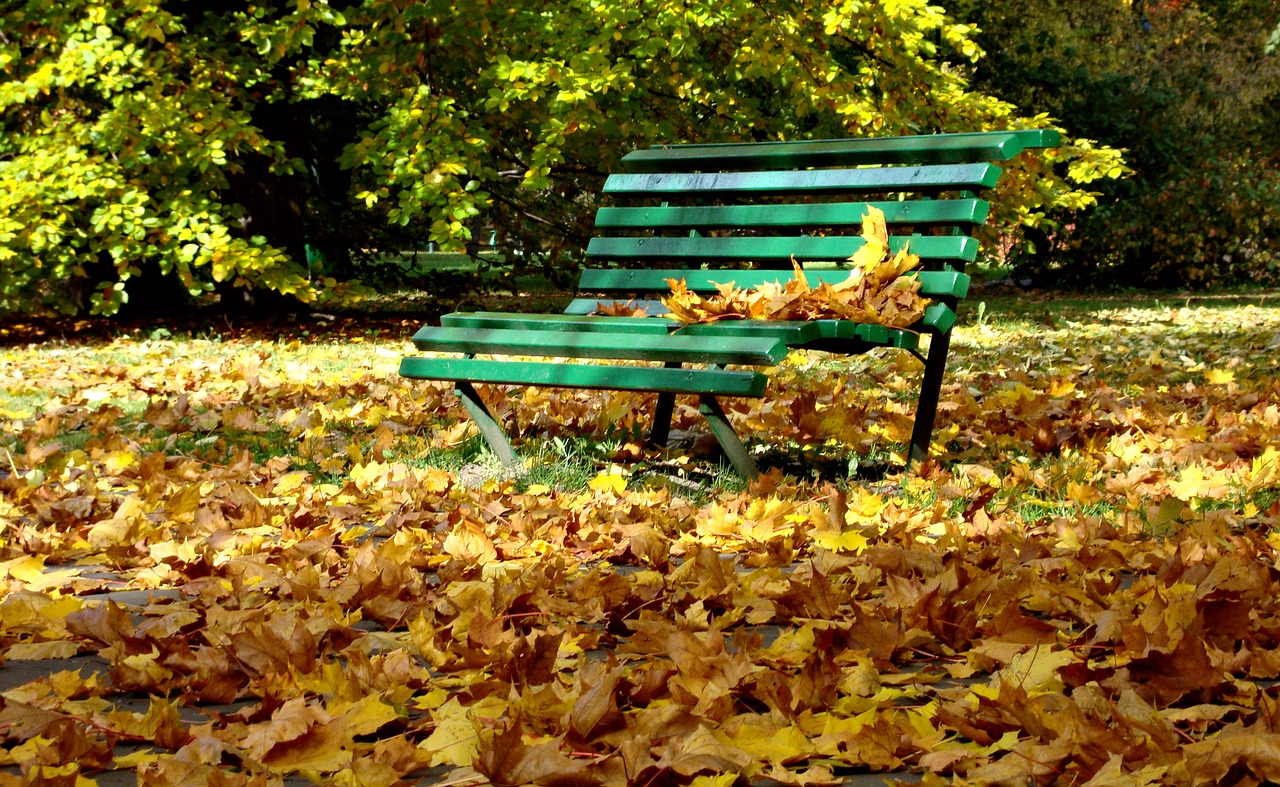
[508, 761]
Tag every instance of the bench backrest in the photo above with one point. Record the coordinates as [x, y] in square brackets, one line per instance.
[742, 212]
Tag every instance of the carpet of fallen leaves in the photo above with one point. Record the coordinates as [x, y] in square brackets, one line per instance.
[232, 566]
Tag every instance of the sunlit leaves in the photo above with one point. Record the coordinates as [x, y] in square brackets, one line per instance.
[132, 133]
[1081, 589]
[123, 129]
[875, 290]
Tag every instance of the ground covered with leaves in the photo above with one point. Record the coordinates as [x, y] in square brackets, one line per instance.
[246, 556]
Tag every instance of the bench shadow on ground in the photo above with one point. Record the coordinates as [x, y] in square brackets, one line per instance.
[825, 467]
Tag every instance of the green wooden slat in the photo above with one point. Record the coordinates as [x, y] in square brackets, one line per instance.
[1028, 137]
[814, 330]
[794, 333]
[587, 306]
[918, 149]
[572, 375]
[943, 284]
[775, 249]
[878, 335]
[812, 181]
[939, 317]
[790, 332]
[678, 349]
[559, 322]
[822, 214]
[932, 283]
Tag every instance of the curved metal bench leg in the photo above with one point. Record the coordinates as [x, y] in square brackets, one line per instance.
[738, 455]
[489, 427]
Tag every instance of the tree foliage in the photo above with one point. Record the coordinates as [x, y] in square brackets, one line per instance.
[212, 144]
[129, 130]
[1190, 91]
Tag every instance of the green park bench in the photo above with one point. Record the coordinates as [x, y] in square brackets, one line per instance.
[741, 212]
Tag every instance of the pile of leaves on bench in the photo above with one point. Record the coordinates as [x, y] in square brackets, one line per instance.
[875, 291]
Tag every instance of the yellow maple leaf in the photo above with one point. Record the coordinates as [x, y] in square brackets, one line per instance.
[366, 715]
[787, 744]
[849, 541]
[456, 738]
[1219, 376]
[119, 461]
[688, 306]
[41, 651]
[468, 541]
[25, 569]
[875, 234]
[1194, 483]
[608, 482]
[864, 506]
[1036, 669]
[136, 759]
[890, 269]
[1265, 470]
[620, 309]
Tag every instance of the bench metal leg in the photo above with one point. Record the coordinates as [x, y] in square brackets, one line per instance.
[490, 429]
[729, 441]
[662, 413]
[662, 420]
[935, 367]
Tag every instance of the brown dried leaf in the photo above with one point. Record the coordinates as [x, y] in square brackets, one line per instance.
[507, 761]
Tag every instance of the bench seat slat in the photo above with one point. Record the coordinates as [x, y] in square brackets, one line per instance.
[587, 306]
[575, 323]
[574, 375]
[935, 284]
[926, 149]
[938, 317]
[793, 333]
[814, 331]
[818, 214]
[946, 177]
[945, 249]
[665, 348]
[868, 333]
